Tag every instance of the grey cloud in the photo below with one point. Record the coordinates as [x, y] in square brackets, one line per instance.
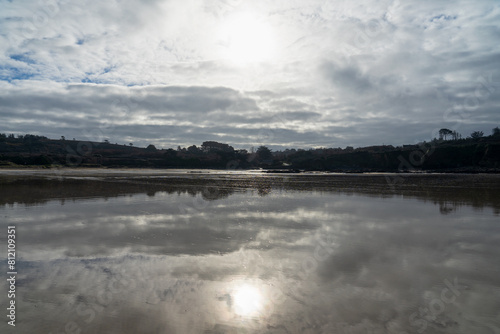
[263, 118]
[103, 98]
[348, 79]
[290, 104]
[86, 108]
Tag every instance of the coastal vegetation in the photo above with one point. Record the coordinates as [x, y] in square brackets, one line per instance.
[449, 153]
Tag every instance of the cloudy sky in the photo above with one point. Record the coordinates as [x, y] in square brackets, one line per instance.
[284, 73]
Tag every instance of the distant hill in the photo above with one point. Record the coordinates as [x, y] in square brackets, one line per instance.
[458, 155]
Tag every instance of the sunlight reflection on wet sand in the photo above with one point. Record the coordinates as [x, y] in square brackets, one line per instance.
[116, 257]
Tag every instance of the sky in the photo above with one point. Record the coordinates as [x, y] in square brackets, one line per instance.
[285, 74]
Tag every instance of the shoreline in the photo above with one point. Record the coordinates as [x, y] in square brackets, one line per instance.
[458, 170]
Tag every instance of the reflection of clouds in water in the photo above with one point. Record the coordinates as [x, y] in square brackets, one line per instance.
[93, 292]
[134, 264]
[124, 225]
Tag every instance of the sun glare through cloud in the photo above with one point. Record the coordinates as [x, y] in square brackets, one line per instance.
[245, 38]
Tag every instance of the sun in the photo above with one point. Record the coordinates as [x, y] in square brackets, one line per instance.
[245, 38]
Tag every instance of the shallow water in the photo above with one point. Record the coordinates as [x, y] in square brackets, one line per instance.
[177, 252]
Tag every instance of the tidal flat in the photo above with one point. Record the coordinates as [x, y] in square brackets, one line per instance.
[187, 251]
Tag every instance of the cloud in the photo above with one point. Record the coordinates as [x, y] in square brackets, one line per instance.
[355, 64]
[348, 79]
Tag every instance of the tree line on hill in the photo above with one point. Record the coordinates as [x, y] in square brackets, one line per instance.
[449, 152]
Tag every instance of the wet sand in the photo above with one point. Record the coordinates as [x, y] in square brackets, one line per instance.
[134, 251]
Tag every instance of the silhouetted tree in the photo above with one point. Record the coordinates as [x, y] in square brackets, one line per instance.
[455, 135]
[151, 148]
[213, 146]
[193, 149]
[476, 134]
[495, 131]
[170, 153]
[444, 132]
[264, 153]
